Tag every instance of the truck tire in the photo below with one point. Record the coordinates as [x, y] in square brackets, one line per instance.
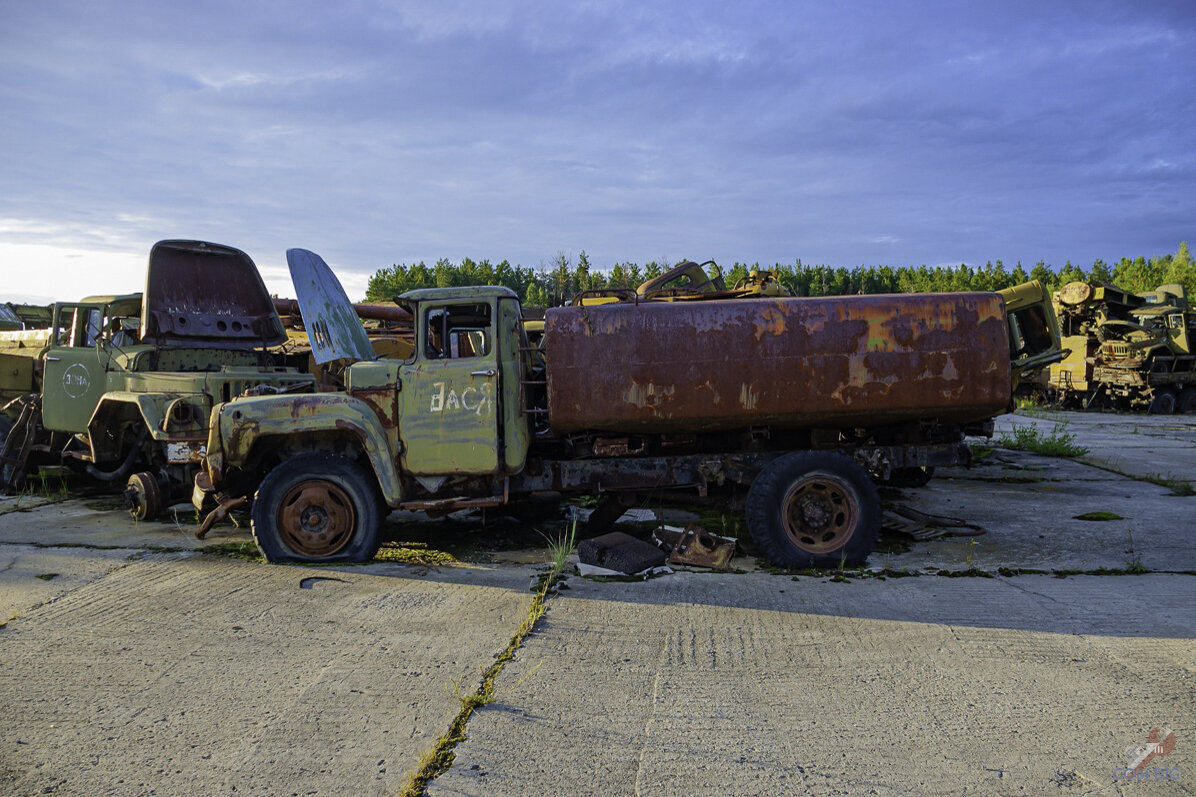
[317, 507]
[1187, 401]
[1163, 403]
[814, 509]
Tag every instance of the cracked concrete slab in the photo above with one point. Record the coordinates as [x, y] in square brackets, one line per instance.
[191, 675]
[756, 684]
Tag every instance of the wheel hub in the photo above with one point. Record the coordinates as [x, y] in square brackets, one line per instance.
[815, 513]
[316, 518]
[820, 513]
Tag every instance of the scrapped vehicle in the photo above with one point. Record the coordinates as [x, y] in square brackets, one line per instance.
[690, 280]
[798, 400]
[122, 386]
[1128, 351]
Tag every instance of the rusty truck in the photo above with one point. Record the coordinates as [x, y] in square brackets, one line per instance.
[1127, 351]
[800, 401]
[121, 386]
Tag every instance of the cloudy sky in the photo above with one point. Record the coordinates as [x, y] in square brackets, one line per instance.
[375, 132]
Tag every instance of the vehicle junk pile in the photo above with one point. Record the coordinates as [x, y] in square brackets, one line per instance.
[121, 387]
[1127, 351]
[801, 402]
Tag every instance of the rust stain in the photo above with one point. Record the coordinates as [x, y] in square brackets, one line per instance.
[771, 322]
[650, 395]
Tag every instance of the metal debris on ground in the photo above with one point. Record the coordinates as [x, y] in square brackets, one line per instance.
[922, 526]
[620, 553]
[695, 547]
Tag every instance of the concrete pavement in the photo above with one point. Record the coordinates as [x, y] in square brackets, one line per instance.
[132, 663]
[718, 684]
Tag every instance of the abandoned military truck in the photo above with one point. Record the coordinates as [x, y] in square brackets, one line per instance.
[122, 386]
[799, 400]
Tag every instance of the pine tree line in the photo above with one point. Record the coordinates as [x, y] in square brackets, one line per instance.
[558, 282]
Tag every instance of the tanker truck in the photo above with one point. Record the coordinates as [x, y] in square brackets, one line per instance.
[802, 401]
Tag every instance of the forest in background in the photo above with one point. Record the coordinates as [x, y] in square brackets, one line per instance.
[556, 283]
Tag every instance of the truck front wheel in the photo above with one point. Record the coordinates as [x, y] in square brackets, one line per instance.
[317, 508]
[814, 509]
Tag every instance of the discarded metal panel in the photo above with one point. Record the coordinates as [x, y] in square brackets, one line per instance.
[695, 547]
[792, 363]
[621, 552]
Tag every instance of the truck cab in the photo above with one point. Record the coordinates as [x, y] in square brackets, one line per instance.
[460, 397]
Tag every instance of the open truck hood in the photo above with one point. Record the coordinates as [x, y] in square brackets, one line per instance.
[333, 327]
[205, 294]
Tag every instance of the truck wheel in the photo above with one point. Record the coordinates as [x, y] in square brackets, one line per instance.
[1187, 400]
[317, 508]
[814, 509]
[143, 496]
[1163, 403]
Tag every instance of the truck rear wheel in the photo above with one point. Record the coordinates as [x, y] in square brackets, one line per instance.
[1187, 400]
[317, 508]
[1163, 403]
[814, 509]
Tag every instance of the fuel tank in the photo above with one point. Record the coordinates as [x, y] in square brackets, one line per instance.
[843, 361]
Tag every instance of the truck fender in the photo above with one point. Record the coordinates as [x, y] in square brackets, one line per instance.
[244, 422]
[166, 416]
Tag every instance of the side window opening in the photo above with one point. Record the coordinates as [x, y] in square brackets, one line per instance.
[458, 331]
[1029, 333]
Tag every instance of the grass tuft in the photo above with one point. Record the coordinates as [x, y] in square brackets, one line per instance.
[1056, 443]
[1099, 516]
[414, 553]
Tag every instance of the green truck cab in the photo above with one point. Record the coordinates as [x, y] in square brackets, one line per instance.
[800, 401]
[124, 385]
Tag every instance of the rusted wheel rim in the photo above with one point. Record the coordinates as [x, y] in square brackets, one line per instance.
[820, 515]
[145, 496]
[316, 518]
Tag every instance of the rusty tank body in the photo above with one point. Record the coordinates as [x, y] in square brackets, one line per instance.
[854, 361]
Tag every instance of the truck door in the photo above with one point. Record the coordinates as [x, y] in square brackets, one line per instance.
[449, 393]
[73, 380]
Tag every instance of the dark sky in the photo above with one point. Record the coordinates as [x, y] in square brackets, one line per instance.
[853, 133]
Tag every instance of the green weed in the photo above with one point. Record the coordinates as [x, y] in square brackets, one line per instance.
[1056, 443]
[413, 553]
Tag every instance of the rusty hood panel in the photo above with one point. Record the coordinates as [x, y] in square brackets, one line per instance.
[205, 294]
[785, 362]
